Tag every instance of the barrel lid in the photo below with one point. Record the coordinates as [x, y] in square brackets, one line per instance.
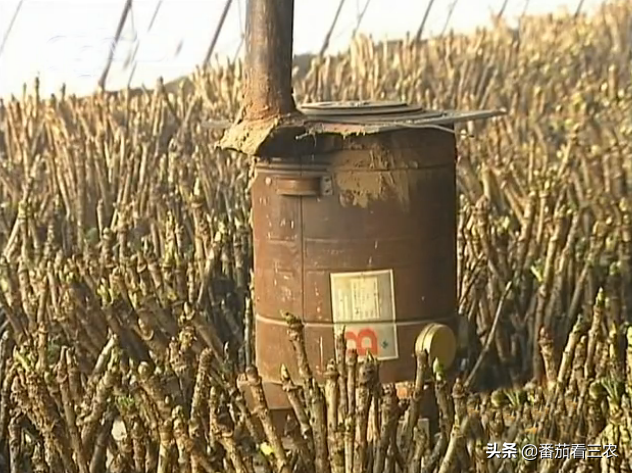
[368, 116]
[360, 118]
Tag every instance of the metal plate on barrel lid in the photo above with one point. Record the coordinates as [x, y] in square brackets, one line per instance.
[363, 303]
[365, 112]
[357, 107]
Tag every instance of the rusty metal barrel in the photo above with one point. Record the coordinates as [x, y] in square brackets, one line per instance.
[360, 236]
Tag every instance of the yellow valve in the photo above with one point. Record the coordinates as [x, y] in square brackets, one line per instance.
[440, 343]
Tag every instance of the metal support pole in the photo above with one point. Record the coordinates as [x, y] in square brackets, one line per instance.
[269, 36]
[218, 30]
[117, 36]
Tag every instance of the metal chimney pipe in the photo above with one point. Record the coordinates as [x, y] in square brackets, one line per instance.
[268, 71]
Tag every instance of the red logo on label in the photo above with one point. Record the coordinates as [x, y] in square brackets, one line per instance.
[365, 341]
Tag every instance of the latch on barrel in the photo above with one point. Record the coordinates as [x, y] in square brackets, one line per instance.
[303, 186]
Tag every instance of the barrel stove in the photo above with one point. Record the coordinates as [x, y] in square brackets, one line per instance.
[359, 235]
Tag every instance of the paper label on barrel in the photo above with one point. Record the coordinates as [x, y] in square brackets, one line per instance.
[364, 303]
